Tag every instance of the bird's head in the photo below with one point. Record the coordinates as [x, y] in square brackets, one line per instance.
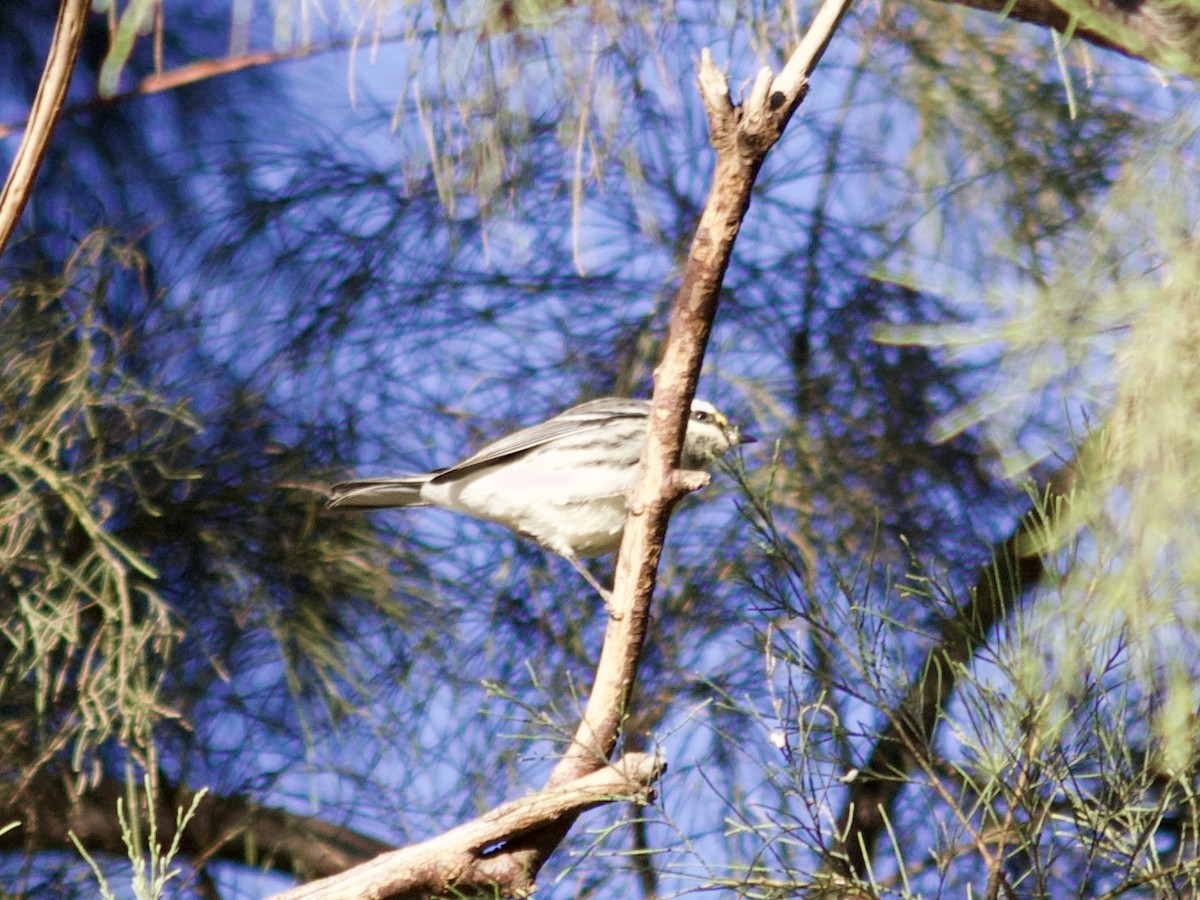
[709, 435]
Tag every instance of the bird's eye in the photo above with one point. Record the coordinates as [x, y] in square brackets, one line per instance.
[701, 416]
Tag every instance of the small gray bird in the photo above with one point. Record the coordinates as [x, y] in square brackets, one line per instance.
[565, 482]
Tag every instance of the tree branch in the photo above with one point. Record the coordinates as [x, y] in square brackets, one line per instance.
[201, 70]
[1160, 32]
[228, 828]
[742, 136]
[47, 105]
[454, 859]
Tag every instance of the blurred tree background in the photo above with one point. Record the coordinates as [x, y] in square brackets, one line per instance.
[951, 598]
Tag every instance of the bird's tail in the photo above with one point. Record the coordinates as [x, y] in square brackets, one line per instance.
[378, 493]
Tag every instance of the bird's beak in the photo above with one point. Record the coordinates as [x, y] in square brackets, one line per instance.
[746, 439]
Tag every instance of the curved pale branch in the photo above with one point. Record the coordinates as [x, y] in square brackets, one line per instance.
[43, 115]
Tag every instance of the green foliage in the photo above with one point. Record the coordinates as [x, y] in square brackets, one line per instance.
[87, 636]
[128, 24]
[151, 865]
[1075, 778]
[124, 522]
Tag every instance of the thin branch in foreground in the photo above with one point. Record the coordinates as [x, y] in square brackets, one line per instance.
[43, 115]
[742, 136]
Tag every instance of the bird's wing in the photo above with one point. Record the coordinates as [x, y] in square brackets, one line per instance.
[579, 419]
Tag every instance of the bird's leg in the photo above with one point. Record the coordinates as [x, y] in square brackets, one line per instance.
[591, 579]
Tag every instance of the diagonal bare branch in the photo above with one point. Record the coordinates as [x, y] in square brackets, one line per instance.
[742, 136]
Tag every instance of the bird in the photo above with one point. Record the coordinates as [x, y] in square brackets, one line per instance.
[564, 483]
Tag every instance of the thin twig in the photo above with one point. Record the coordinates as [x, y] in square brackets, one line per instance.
[996, 877]
[904, 742]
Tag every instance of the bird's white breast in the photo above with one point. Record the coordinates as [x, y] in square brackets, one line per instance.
[576, 510]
